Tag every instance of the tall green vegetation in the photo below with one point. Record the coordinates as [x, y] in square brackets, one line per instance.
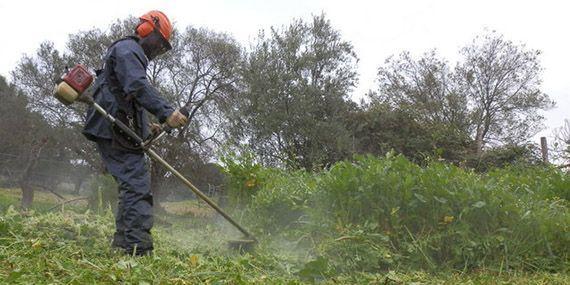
[377, 214]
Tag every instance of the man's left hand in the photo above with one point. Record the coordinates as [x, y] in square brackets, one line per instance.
[155, 129]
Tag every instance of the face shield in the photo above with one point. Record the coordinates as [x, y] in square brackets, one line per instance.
[154, 45]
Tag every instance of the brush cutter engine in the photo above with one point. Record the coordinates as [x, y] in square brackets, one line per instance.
[72, 84]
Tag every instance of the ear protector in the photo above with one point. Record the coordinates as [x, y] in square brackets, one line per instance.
[145, 27]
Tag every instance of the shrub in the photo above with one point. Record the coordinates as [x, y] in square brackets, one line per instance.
[442, 215]
[361, 212]
[243, 177]
[281, 201]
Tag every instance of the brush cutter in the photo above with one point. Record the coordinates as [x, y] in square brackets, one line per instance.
[76, 86]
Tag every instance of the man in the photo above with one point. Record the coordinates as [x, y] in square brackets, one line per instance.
[125, 92]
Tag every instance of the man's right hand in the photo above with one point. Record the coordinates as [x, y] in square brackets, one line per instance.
[176, 119]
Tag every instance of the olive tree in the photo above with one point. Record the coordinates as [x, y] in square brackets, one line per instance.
[297, 85]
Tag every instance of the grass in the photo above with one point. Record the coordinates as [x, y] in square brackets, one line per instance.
[72, 247]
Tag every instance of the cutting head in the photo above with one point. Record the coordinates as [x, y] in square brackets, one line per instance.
[242, 245]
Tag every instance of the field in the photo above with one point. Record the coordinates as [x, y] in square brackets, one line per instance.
[370, 221]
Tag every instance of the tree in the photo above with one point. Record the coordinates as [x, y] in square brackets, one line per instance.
[418, 110]
[502, 81]
[493, 95]
[297, 83]
[424, 87]
[24, 136]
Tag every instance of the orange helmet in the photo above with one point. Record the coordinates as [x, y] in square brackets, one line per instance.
[154, 20]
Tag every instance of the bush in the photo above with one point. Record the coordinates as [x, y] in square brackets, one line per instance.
[274, 200]
[281, 201]
[444, 215]
[422, 217]
[243, 177]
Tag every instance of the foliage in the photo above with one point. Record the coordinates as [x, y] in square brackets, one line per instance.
[273, 199]
[297, 80]
[281, 203]
[373, 214]
[243, 177]
[503, 83]
[381, 128]
[492, 97]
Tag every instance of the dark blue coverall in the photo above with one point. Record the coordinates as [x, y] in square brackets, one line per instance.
[123, 85]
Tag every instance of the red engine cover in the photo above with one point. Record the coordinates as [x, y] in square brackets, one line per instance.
[78, 78]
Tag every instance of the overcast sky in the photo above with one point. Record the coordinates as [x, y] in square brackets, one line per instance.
[377, 29]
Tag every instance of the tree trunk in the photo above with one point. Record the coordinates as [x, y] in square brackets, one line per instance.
[27, 195]
[480, 139]
[77, 184]
[27, 190]
[479, 145]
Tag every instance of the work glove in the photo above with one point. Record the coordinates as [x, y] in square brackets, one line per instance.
[176, 119]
